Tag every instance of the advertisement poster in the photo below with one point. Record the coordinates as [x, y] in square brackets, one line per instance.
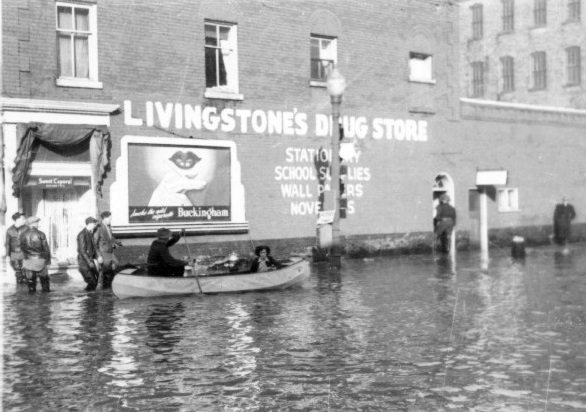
[178, 183]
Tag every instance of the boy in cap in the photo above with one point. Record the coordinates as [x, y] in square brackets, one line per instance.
[87, 254]
[37, 255]
[13, 250]
[160, 261]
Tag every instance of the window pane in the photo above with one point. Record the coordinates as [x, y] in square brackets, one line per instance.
[314, 49]
[211, 72]
[210, 35]
[224, 33]
[64, 18]
[82, 19]
[82, 68]
[65, 58]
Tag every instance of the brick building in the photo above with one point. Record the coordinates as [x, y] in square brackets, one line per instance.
[214, 116]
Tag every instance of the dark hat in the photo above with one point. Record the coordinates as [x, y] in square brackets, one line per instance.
[32, 219]
[259, 249]
[90, 220]
[17, 215]
[163, 233]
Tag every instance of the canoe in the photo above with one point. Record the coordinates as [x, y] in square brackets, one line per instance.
[133, 282]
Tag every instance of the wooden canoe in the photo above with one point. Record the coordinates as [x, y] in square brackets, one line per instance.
[133, 282]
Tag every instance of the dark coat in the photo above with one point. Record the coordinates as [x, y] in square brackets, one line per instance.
[445, 218]
[271, 263]
[160, 261]
[13, 249]
[562, 217]
[33, 242]
[86, 249]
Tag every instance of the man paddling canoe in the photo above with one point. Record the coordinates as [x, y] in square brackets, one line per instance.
[160, 261]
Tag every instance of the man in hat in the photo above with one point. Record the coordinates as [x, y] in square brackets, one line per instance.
[87, 254]
[37, 255]
[106, 243]
[444, 222]
[563, 215]
[13, 250]
[160, 261]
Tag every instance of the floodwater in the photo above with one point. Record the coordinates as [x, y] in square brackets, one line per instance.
[385, 334]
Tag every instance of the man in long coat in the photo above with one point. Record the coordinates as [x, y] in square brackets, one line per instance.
[37, 255]
[87, 255]
[160, 261]
[444, 222]
[13, 250]
[105, 244]
[563, 215]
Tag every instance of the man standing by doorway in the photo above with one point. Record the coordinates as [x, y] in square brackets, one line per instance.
[87, 255]
[563, 215]
[105, 244]
[444, 222]
[37, 255]
[13, 250]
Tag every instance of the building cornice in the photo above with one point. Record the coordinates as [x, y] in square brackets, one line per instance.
[519, 112]
[10, 104]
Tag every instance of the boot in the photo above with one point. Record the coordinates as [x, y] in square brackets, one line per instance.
[32, 285]
[45, 284]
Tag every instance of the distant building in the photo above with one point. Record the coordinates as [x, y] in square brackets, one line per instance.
[214, 116]
[524, 51]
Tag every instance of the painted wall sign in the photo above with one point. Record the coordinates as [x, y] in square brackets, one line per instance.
[50, 182]
[272, 122]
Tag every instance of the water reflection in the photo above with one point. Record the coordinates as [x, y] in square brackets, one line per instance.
[163, 324]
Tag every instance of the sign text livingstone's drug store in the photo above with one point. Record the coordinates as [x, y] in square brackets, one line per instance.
[301, 180]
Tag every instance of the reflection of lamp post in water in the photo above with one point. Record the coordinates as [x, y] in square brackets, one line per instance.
[336, 85]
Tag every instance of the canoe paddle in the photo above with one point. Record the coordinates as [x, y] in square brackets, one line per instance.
[192, 266]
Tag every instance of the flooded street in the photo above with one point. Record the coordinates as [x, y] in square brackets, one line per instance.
[405, 334]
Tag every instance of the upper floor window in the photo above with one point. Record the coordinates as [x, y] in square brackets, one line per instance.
[420, 68]
[573, 10]
[540, 13]
[539, 74]
[77, 44]
[478, 74]
[508, 15]
[477, 21]
[573, 66]
[221, 60]
[508, 74]
[323, 55]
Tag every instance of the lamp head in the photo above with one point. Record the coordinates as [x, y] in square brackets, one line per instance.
[336, 83]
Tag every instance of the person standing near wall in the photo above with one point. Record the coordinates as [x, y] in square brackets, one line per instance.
[37, 255]
[444, 222]
[13, 250]
[87, 255]
[563, 215]
[105, 244]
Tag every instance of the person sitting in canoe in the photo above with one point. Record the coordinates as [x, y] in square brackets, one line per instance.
[160, 261]
[264, 261]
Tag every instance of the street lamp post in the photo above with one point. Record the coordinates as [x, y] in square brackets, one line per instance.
[336, 85]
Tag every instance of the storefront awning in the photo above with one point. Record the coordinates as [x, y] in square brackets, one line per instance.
[491, 177]
[60, 135]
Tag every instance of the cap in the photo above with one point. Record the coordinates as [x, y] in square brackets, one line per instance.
[32, 219]
[90, 220]
[17, 215]
[163, 233]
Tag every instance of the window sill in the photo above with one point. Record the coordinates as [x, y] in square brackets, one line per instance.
[505, 32]
[541, 26]
[425, 81]
[318, 83]
[571, 21]
[81, 83]
[224, 95]
[509, 210]
[535, 89]
[572, 85]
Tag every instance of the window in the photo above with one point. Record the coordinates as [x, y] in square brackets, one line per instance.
[420, 68]
[508, 200]
[478, 79]
[573, 66]
[221, 61]
[77, 44]
[508, 15]
[573, 10]
[508, 74]
[540, 13]
[477, 21]
[539, 77]
[323, 55]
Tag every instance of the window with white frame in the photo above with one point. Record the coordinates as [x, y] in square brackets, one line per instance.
[221, 60]
[574, 66]
[574, 10]
[508, 199]
[508, 15]
[420, 67]
[539, 73]
[323, 55]
[508, 74]
[540, 13]
[77, 44]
